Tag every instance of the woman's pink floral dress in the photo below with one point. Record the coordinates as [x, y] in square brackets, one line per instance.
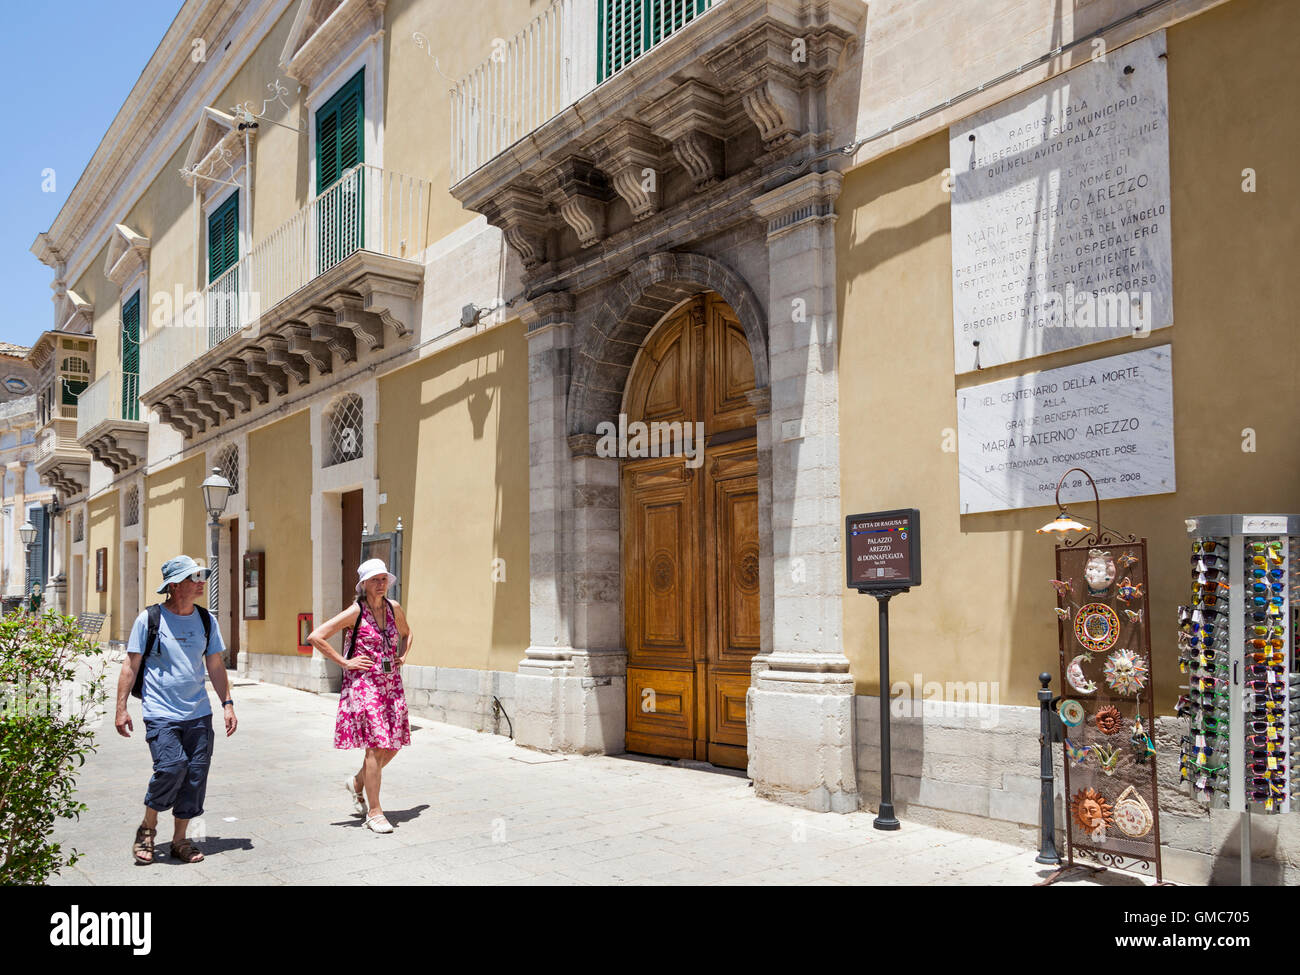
[372, 704]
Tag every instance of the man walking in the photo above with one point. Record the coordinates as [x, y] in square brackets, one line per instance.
[177, 715]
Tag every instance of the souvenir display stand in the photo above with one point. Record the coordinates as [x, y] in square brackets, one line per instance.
[1107, 707]
[1236, 646]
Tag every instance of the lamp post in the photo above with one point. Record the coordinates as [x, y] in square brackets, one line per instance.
[28, 535]
[216, 489]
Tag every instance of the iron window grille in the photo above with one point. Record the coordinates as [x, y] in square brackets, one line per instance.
[345, 431]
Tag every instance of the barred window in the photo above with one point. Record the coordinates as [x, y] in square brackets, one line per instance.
[79, 527]
[344, 424]
[131, 516]
[228, 464]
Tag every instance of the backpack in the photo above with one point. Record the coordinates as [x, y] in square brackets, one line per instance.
[350, 639]
[151, 640]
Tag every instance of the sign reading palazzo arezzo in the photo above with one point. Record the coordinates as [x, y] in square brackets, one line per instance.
[1060, 212]
[1112, 416]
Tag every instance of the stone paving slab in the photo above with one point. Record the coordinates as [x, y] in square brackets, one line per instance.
[472, 808]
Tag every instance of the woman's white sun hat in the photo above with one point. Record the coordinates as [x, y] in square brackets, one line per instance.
[371, 568]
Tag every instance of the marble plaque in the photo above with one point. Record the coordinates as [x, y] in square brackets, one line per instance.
[1113, 417]
[1060, 212]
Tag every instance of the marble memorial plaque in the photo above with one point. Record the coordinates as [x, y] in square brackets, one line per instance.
[1112, 416]
[1060, 212]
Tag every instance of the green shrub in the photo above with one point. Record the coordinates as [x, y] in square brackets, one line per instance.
[51, 700]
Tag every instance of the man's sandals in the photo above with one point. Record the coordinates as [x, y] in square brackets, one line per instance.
[186, 852]
[142, 848]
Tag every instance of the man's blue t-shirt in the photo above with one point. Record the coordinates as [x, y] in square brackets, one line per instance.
[175, 686]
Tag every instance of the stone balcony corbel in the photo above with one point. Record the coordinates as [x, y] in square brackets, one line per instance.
[632, 156]
[223, 407]
[202, 414]
[326, 329]
[274, 376]
[524, 218]
[172, 412]
[580, 192]
[350, 314]
[240, 379]
[693, 119]
[313, 350]
[279, 353]
[223, 388]
[392, 299]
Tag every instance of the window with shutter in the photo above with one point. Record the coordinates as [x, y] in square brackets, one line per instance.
[131, 358]
[223, 283]
[340, 149]
[626, 29]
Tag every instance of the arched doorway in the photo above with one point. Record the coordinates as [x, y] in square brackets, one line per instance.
[690, 552]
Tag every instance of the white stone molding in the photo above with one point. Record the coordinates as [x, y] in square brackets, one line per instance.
[128, 258]
[321, 29]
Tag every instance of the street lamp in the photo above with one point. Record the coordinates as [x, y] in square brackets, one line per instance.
[216, 489]
[28, 535]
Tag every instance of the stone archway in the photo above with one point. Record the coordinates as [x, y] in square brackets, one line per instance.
[652, 287]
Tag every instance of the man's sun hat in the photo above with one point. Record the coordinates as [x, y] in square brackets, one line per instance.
[371, 568]
[179, 569]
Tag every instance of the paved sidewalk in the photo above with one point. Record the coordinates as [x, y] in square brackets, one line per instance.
[472, 808]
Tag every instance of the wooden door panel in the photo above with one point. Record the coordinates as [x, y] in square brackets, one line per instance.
[733, 557]
[727, 708]
[729, 372]
[661, 711]
[659, 561]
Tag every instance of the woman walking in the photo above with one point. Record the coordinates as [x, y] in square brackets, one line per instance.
[372, 705]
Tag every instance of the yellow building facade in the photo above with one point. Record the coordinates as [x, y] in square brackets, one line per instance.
[402, 274]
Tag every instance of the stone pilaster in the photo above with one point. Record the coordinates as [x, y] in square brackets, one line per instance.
[801, 729]
[570, 685]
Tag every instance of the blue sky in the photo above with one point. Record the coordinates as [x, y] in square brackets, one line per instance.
[68, 67]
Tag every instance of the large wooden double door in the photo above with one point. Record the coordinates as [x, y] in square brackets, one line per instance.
[690, 541]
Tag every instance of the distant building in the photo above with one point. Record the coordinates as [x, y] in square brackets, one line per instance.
[22, 495]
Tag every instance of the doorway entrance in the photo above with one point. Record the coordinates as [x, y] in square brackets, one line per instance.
[353, 525]
[690, 540]
[236, 590]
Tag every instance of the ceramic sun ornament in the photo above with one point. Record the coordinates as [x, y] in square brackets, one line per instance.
[1126, 672]
[1108, 720]
[1098, 571]
[1091, 811]
[1075, 677]
[1127, 591]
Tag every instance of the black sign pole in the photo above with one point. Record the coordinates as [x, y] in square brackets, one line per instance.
[885, 819]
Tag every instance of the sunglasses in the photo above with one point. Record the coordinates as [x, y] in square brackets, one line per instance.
[1268, 630]
[1267, 573]
[1208, 545]
[1266, 587]
[1263, 601]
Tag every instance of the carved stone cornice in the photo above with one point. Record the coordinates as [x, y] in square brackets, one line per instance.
[242, 379]
[321, 29]
[580, 192]
[632, 156]
[279, 354]
[810, 197]
[274, 376]
[128, 255]
[304, 344]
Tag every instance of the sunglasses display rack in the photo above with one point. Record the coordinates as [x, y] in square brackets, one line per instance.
[1237, 652]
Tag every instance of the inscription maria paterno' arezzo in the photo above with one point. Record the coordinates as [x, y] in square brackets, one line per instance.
[1060, 212]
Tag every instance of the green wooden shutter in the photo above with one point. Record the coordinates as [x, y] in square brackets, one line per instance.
[36, 554]
[131, 358]
[223, 238]
[626, 29]
[340, 146]
[340, 132]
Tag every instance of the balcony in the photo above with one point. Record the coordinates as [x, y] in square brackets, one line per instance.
[60, 460]
[108, 421]
[585, 132]
[333, 280]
